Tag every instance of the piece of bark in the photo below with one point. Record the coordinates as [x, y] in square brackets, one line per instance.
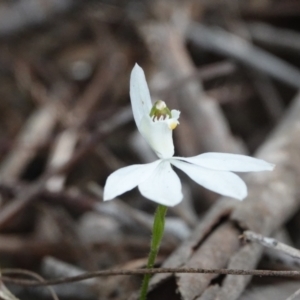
[185, 251]
[210, 255]
[246, 258]
[210, 293]
[273, 291]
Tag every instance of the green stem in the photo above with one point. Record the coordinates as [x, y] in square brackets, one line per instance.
[157, 234]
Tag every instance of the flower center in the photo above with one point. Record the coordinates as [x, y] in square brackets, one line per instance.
[160, 111]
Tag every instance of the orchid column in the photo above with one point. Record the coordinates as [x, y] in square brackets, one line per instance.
[157, 181]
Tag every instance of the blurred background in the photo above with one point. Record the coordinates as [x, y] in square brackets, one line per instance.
[231, 67]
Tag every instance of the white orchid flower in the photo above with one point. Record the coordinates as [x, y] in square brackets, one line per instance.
[157, 181]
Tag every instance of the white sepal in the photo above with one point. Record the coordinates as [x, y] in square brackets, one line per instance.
[163, 186]
[139, 95]
[229, 162]
[221, 182]
[127, 178]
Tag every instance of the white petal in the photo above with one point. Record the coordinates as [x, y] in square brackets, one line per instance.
[139, 94]
[221, 182]
[127, 178]
[163, 186]
[158, 135]
[229, 162]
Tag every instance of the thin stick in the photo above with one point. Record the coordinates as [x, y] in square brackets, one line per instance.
[32, 274]
[271, 243]
[268, 273]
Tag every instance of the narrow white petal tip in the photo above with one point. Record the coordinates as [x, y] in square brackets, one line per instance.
[106, 196]
[243, 195]
[137, 68]
[107, 192]
[270, 167]
[239, 193]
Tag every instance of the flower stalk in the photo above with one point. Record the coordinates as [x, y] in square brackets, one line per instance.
[157, 234]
